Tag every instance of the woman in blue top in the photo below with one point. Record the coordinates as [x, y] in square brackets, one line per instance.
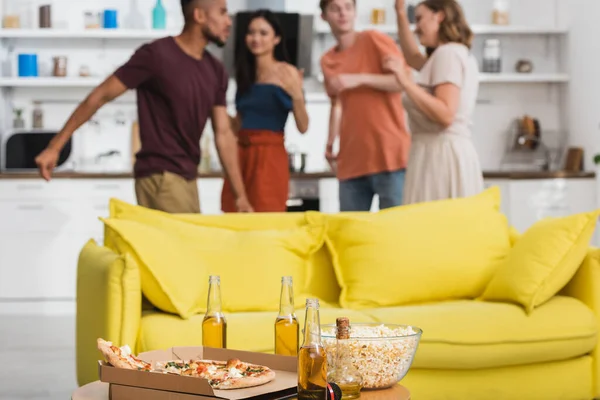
[268, 89]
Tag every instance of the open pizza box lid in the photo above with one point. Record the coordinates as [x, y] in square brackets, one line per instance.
[133, 385]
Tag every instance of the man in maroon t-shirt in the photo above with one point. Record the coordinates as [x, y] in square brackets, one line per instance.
[179, 86]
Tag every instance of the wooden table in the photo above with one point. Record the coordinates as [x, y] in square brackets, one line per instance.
[99, 391]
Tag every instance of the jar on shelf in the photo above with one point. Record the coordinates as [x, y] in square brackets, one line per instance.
[378, 13]
[501, 12]
[60, 66]
[492, 57]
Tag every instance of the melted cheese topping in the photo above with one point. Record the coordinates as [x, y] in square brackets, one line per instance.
[235, 373]
[211, 369]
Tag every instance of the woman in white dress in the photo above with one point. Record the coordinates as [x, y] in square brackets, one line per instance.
[443, 161]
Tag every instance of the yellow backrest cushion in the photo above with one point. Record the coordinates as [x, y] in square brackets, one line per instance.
[176, 259]
[320, 281]
[543, 260]
[425, 252]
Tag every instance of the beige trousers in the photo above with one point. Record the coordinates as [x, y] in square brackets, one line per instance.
[168, 192]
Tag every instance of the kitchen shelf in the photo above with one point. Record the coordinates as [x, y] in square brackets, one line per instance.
[477, 29]
[145, 34]
[523, 78]
[50, 82]
[94, 81]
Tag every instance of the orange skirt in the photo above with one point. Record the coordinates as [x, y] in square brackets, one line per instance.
[264, 165]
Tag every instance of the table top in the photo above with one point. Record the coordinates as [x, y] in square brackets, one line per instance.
[99, 391]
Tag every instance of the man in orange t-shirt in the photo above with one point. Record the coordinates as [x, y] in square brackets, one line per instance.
[366, 112]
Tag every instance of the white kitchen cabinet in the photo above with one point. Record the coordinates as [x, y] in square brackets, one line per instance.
[532, 200]
[39, 265]
[210, 195]
[43, 227]
[504, 186]
[328, 196]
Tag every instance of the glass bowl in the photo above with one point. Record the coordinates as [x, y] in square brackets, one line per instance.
[383, 353]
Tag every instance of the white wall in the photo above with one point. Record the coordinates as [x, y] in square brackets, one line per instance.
[565, 108]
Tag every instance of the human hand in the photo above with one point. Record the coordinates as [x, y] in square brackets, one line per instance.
[331, 157]
[400, 6]
[46, 162]
[243, 205]
[342, 82]
[396, 65]
[292, 80]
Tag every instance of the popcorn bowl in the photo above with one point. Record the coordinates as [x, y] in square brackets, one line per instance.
[383, 353]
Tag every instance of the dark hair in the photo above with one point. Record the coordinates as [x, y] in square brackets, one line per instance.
[454, 28]
[245, 68]
[324, 3]
[186, 7]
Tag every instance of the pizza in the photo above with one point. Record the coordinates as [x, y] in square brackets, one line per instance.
[231, 374]
[121, 357]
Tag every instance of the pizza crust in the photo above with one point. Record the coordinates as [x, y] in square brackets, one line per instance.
[111, 357]
[247, 381]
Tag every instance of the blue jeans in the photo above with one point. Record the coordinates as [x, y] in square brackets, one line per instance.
[357, 194]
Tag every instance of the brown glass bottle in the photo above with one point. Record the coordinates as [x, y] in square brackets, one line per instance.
[214, 325]
[344, 373]
[312, 360]
[286, 325]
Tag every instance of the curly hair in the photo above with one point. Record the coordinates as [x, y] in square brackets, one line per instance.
[454, 28]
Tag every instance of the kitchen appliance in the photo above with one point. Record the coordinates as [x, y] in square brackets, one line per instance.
[531, 148]
[298, 31]
[296, 161]
[303, 195]
[21, 147]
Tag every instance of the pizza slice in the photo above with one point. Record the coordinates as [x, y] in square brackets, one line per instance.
[233, 374]
[121, 357]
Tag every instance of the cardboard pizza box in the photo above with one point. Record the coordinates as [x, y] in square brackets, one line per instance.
[134, 385]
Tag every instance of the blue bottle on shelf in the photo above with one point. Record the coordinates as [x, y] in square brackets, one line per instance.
[159, 16]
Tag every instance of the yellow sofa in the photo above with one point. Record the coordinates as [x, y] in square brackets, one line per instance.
[470, 348]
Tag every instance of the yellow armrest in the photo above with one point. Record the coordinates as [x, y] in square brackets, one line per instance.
[585, 286]
[109, 305]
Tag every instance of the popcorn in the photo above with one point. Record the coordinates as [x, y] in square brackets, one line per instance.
[381, 353]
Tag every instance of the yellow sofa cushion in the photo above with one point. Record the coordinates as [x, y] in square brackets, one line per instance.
[176, 258]
[109, 304]
[425, 252]
[571, 379]
[250, 331]
[320, 281]
[543, 260]
[471, 334]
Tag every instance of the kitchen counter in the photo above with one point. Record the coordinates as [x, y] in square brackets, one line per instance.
[311, 175]
[109, 175]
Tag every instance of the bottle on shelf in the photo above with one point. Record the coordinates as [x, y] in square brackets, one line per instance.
[492, 57]
[345, 374]
[312, 360]
[38, 116]
[159, 16]
[214, 325]
[135, 19]
[286, 325]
